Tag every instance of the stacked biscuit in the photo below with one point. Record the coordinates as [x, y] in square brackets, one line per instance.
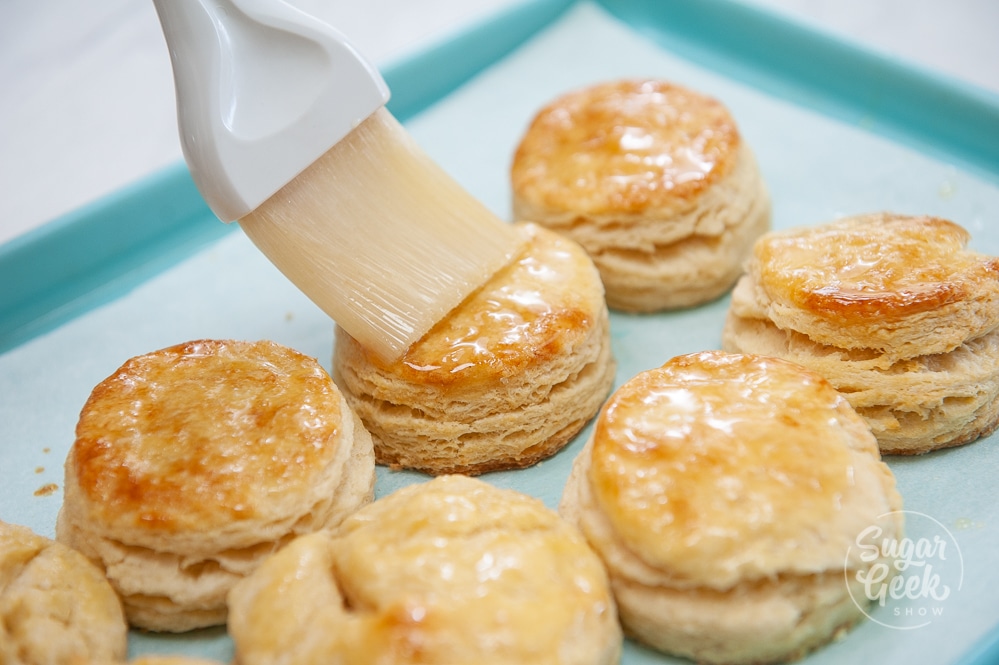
[653, 180]
[193, 463]
[893, 310]
[730, 497]
[508, 378]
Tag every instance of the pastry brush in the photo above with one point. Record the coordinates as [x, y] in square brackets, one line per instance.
[284, 128]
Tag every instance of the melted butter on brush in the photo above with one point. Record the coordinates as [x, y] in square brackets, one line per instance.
[705, 462]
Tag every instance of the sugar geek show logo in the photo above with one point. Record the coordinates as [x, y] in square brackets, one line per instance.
[910, 579]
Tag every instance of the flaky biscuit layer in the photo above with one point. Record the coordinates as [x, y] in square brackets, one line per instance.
[913, 405]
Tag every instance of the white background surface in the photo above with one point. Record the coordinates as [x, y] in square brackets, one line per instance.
[87, 92]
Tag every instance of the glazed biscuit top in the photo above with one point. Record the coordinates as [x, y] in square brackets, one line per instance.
[198, 435]
[872, 267]
[542, 305]
[456, 569]
[624, 147]
[717, 467]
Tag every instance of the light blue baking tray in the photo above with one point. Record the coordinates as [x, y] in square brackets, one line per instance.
[836, 131]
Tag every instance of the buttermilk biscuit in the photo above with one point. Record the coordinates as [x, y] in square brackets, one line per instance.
[653, 180]
[728, 494]
[56, 607]
[893, 310]
[448, 571]
[506, 379]
[193, 463]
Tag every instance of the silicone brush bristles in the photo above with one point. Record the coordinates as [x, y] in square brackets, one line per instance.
[380, 237]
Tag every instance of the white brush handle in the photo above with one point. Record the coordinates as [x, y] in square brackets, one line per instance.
[263, 90]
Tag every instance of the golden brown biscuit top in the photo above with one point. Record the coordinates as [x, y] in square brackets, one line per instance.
[702, 464]
[466, 572]
[626, 146]
[872, 267]
[540, 306]
[195, 436]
